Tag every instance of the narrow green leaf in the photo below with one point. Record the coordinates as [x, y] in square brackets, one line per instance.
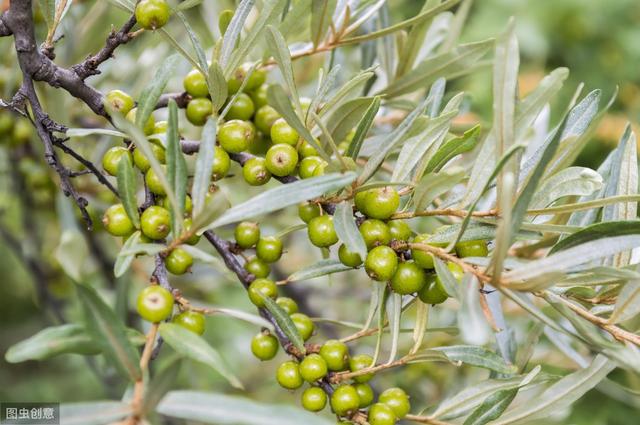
[394, 324]
[127, 189]
[627, 303]
[454, 147]
[346, 91]
[492, 407]
[321, 13]
[214, 206]
[415, 41]
[83, 132]
[238, 314]
[232, 34]
[123, 261]
[321, 268]
[363, 128]
[176, 169]
[204, 166]
[347, 229]
[161, 383]
[433, 185]
[450, 283]
[195, 42]
[325, 84]
[598, 231]
[50, 342]
[94, 412]
[179, 47]
[347, 116]
[282, 56]
[285, 323]
[194, 347]
[188, 4]
[477, 356]
[218, 89]
[572, 181]
[151, 93]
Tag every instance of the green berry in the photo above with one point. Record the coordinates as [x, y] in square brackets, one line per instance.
[320, 169]
[308, 211]
[348, 258]
[260, 289]
[260, 144]
[288, 375]
[408, 278]
[112, 158]
[344, 400]
[117, 222]
[154, 183]
[178, 261]
[288, 305]
[365, 393]
[282, 132]
[375, 233]
[308, 166]
[142, 162]
[281, 159]
[269, 249]
[359, 201]
[336, 355]
[236, 135]
[221, 163]
[264, 119]
[477, 248]
[264, 346]
[155, 222]
[190, 320]
[241, 109]
[155, 303]
[256, 79]
[397, 400]
[120, 101]
[148, 126]
[247, 234]
[257, 267]
[456, 271]
[359, 362]
[255, 171]
[399, 230]
[314, 399]
[188, 205]
[259, 96]
[160, 127]
[199, 110]
[195, 84]
[381, 202]
[422, 258]
[303, 324]
[313, 367]
[152, 14]
[433, 292]
[186, 226]
[321, 231]
[381, 414]
[381, 263]
[305, 149]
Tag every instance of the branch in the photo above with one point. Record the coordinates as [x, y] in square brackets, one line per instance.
[4, 28]
[181, 99]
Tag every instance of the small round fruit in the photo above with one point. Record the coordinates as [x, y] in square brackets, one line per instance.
[308, 166]
[397, 400]
[152, 14]
[148, 126]
[247, 234]
[336, 355]
[155, 222]
[264, 346]
[422, 258]
[282, 132]
[303, 324]
[345, 400]
[399, 230]
[305, 149]
[375, 233]
[188, 205]
[477, 248]
[142, 162]
[381, 202]
[321, 231]
[433, 292]
[255, 171]
[288, 375]
[178, 261]
[186, 227]
[241, 109]
[195, 84]
[348, 258]
[320, 169]
[381, 414]
[235, 135]
[153, 183]
[190, 320]
[256, 79]
[359, 362]
[257, 267]
[260, 144]
[221, 163]
[408, 278]
[198, 110]
[224, 19]
[288, 305]
[160, 127]
[265, 117]
[308, 211]
[155, 303]
[117, 222]
[365, 393]
[120, 101]
[260, 289]
[112, 158]
[359, 201]
[313, 367]
[456, 271]
[314, 399]
[282, 159]
[269, 249]
[259, 96]
[381, 263]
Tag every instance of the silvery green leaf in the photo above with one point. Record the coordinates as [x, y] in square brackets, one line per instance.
[179, 47]
[492, 407]
[415, 41]
[504, 232]
[151, 93]
[123, 261]
[598, 231]
[94, 412]
[572, 181]
[347, 229]
[83, 132]
[204, 166]
[627, 303]
[237, 314]
[176, 169]
[297, 22]
[452, 148]
[197, 46]
[433, 185]
[232, 34]
[215, 205]
[420, 327]
[325, 84]
[450, 283]
[457, 24]
[321, 12]
[321, 268]
[127, 189]
[477, 356]
[395, 314]
[281, 53]
[339, 164]
[72, 253]
[347, 90]
[285, 323]
[218, 89]
[160, 384]
[363, 128]
[53, 341]
[473, 325]
[347, 116]
[188, 4]
[142, 248]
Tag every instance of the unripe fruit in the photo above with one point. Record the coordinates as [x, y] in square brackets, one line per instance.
[381, 414]
[188, 205]
[305, 149]
[359, 362]
[313, 367]
[260, 289]
[269, 249]
[336, 355]
[235, 135]
[399, 230]
[281, 159]
[241, 109]
[257, 267]
[359, 201]
[282, 132]
[264, 119]
[221, 163]
[288, 375]
[256, 78]
[314, 399]
[381, 263]
[308, 211]
[260, 144]
[375, 233]
[152, 14]
[321, 231]
[224, 19]
[408, 278]
[365, 393]
[142, 162]
[422, 258]
[264, 346]
[308, 166]
[186, 226]
[259, 96]
[477, 248]
[255, 171]
[433, 292]
[319, 170]
[397, 400]
[178, 261]
[117, 222]
[148, 126]
[160, 127]
[303, 324]
[154, 183]
[288, 305]
[112, 158]
[120, 101]
[155, 303]
[456, 271]
[199, 110]
[190, 320]
[381, 202]
[348, 258]
[195, 84]
[345, 400]
[247, 234]
[155, 222]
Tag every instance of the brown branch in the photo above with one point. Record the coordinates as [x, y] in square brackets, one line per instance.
[181, 99]
[443, 212]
